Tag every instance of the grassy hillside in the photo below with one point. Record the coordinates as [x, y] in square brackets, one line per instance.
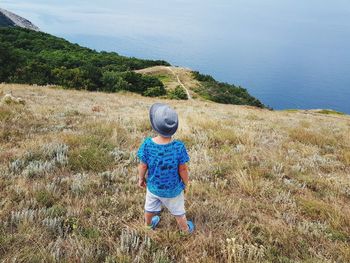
[33, 57]
[266, 186]
[38, 58]
[201, 86]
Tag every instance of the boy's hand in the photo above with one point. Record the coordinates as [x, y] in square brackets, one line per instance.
[187, 186]
[142, 183]
[142, 169]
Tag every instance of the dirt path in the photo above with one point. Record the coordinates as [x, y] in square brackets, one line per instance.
[179, 81]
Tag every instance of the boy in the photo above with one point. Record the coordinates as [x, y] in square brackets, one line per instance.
[165, 160]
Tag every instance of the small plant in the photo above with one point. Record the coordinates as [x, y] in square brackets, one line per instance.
[246, 182]
[90, 233]
[243, 253]
[119, 155]
[56, 211]
[88, 211]
[42, 161]
[79, 184]
[108, 178]
[55, 224]
[16, 166]
[57, 153]
[133, 244]
[45, 198]
[71, 224]
[38, 168]
[26, 215]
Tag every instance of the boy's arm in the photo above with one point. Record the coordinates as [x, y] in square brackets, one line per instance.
[183, 172]
[142, 169]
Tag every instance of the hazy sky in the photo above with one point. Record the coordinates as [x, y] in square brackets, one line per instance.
[176, 19]
[168, 17]
[277, 49]
[107, 17]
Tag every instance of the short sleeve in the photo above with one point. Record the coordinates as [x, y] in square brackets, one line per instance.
[142, 154]
[183, 158]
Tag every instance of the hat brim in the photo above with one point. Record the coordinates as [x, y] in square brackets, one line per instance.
[152, 111]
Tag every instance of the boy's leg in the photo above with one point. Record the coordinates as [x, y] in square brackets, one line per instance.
[152, 207]
[176, 206]
[182, 222]
[148, 218]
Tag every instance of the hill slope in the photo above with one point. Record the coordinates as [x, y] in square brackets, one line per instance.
[38, 58]
[266, 186]
[9, 19]
[173, 77]
[202, 86]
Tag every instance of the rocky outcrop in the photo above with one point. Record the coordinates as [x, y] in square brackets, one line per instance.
[9, 19]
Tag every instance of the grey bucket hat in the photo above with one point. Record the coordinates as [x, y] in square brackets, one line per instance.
[164, 119]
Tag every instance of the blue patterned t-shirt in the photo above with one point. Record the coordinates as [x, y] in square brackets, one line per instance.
[163, 162]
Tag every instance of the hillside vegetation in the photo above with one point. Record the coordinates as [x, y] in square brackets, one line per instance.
[33, 57]
[266, 186]
[223, 92]
[38, 58]
[201, 86]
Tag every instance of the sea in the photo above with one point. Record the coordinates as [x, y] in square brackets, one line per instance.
[290, 54]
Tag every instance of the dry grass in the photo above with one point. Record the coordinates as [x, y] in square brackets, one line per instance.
[266, 186]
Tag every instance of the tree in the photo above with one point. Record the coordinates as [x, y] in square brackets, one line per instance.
[113, 81]
[9, 61]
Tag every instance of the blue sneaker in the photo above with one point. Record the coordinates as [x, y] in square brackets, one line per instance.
[154, 222]
[191, 226]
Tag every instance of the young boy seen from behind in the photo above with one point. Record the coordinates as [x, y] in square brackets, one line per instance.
[164, 160]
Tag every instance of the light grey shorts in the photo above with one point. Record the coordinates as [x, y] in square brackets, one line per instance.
[175, 205]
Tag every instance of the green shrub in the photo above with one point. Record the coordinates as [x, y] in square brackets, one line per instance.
[113, 81]
[177, 94]
[154, 92]
[90, 233]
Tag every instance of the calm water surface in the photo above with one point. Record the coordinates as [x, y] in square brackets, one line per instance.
[289, 54]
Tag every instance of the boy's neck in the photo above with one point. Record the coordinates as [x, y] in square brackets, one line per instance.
[162, 140]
